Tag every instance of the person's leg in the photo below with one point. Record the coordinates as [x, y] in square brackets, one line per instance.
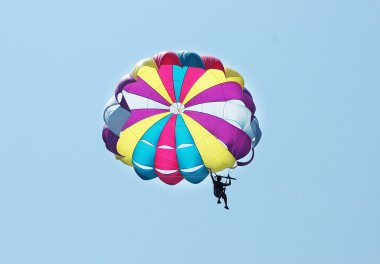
[219, 196]
[224, 196]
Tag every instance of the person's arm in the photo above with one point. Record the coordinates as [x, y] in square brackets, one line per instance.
[212, 177]
[228, 182]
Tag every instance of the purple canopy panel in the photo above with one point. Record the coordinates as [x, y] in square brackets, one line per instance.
[248, 101]
[141, 88]
[110, 139]
[140, 114]
[127, 79]
[237, 141]
[218, 93]
[224, 92]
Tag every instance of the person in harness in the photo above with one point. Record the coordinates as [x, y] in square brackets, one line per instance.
[220, 187]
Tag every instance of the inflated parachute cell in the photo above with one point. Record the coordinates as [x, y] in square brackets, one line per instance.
[178, 114]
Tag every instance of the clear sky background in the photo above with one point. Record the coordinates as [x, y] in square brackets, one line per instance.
[311, 195]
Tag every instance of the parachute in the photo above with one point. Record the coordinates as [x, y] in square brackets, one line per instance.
[178, 115]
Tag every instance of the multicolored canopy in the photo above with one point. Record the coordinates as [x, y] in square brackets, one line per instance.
[178, 115]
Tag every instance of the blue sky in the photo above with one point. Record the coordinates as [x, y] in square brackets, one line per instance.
[312, 194]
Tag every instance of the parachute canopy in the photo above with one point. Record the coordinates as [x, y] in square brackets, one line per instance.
[176, 115]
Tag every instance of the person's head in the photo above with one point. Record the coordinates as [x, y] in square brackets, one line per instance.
[218, 178]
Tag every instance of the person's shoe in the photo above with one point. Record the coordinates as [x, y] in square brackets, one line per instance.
[218, 202]
[226, 207]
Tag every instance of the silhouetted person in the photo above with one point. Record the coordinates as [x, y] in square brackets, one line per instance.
[220, 188]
